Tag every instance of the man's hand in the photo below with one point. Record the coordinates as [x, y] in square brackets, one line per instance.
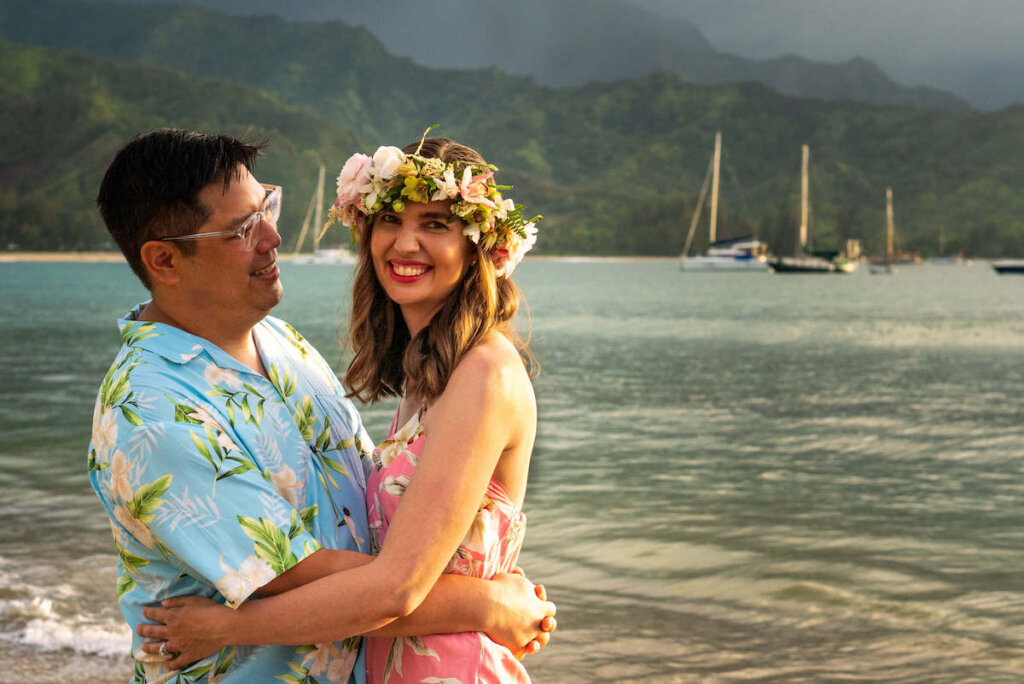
[191, 628]
[525, 619]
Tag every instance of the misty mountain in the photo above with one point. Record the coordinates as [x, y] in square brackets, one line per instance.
[573, 42]
[613, 167]
[972, 49]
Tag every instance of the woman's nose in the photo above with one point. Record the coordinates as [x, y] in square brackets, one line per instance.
[405, 240]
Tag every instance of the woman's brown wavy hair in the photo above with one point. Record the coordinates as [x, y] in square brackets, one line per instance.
[386, 361]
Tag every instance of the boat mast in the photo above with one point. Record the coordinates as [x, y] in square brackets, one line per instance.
[318, 219]
[712, 235]
[697, 211]
[889, 229]
[804, 197]
[316, 202]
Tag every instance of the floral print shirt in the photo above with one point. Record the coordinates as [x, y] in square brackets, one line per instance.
[217, 480]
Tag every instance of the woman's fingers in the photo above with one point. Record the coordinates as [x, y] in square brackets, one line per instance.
[549, 624]
[518, 571]
[152, 631]
[541, 592]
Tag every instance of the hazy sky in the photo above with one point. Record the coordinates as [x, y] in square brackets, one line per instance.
[973, 47]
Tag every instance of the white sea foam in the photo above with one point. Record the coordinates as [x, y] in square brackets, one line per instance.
[78, 634]
[42, 627]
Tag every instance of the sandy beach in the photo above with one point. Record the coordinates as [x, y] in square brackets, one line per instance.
[60, 256]
[116, 256]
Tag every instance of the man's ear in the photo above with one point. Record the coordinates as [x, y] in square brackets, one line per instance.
[161, 260]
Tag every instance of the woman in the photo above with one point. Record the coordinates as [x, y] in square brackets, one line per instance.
[431, 322]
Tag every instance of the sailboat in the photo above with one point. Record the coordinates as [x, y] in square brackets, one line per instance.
[803, 262]
[885, 267]
[315, 216]
[733, 254]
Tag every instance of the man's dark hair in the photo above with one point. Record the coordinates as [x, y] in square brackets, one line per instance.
[150, 190]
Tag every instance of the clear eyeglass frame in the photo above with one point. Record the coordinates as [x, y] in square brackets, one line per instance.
[248, 231]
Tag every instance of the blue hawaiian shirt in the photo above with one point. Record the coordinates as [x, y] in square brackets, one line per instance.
[217, 480]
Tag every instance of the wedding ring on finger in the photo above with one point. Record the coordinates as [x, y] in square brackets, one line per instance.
[163, 649]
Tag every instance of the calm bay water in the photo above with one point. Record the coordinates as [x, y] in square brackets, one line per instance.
[737, 478]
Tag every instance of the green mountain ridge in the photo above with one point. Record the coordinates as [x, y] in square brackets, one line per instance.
[562, 43]
[614, 167]
[66, 113]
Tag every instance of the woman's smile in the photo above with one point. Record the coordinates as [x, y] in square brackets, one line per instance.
[408, 271]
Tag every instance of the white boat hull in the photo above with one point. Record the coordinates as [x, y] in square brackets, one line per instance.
[723, 263]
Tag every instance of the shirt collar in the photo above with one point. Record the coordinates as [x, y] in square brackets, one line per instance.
[173, 344]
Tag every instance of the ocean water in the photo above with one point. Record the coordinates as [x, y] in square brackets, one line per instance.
[738, 478]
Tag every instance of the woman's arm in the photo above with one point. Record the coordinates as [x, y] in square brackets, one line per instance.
[479, 415]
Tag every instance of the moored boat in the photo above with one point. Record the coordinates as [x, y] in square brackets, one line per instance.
[740, 254]
[1009, 266]
[735, 254]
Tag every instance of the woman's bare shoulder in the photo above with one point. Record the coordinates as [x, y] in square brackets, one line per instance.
[493, 358]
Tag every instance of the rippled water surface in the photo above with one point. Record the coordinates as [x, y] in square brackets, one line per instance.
[738, 477]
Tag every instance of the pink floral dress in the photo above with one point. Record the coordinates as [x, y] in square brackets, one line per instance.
[491, 546]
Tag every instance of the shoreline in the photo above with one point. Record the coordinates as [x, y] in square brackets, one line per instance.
[114, 257]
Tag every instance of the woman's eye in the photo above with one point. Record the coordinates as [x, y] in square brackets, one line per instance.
[388, 218]
[437, 225]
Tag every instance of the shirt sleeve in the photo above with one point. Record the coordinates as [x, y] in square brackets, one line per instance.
[204, 503]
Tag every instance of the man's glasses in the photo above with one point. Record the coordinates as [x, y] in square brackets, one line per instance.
[249, 231]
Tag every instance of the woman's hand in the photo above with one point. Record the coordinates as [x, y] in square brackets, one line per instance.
[191, 628]
[526, 624]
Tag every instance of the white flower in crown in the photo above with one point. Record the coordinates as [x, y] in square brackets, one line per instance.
[238, 585]
[447, 186]
[215, 375]
[504, 206]
[514, 249]
[386, 161]
[473, 232]
[352, 180]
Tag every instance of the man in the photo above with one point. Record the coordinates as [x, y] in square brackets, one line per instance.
[224, 450]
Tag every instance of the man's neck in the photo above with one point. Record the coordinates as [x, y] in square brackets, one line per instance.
[236, 341]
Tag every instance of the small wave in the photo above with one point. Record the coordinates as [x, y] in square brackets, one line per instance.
[79, 635]
[44, 629]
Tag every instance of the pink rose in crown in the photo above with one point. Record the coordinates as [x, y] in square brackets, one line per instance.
[353, 178]
[474, 188]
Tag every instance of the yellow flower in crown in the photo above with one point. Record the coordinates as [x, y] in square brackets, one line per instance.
[391, 178]
[416, 189]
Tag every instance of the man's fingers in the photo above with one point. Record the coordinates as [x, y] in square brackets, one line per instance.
[151, 647]
[155, 614]
[152, 631]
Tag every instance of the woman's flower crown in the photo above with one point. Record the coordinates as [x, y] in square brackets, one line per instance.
[391, 178]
